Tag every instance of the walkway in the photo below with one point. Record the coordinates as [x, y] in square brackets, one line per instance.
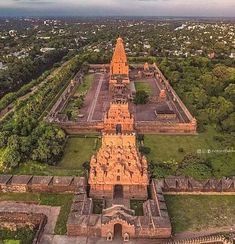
[93, 105]
[50, 239]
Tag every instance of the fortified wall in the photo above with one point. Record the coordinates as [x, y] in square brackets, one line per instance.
[189, 126]
[187, 185]
[154, 223]
[29, 183]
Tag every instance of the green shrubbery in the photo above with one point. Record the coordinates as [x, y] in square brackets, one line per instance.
[191, 165]
[141, 97]
[23, 136]
[24, 235]
[208, 90]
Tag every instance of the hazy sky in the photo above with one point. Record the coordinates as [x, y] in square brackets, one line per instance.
[119, 7]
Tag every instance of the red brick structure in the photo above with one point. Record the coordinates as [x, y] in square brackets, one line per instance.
[119, 68]
[118, 115]
[118, 173]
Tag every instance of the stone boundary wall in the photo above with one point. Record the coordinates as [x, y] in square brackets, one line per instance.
[187, 185]
[59, 105]
[81, 127]
[24, 219]
[29, 183]
[141, 127]
[169, 88]
[40, 230]
[214, 239]
[148, 127]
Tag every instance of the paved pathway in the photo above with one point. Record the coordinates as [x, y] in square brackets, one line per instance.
[50, 239]
[93, 105]
[51, 212]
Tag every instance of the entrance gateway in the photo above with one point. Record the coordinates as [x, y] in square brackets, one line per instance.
[117, 231]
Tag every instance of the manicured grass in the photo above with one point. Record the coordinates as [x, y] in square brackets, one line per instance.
[195, 213]
[167, 147]
[77, 100]
[86, 85]
[77, 151]
[36, 168]
[10, 242]
[143, 86]
[62, 200]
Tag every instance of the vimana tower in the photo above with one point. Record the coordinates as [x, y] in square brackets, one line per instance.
[119, 173]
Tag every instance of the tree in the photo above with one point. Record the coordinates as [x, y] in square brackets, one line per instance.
[11, 158]
[141, 97]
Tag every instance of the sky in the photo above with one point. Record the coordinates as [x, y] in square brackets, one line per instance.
[207, 8]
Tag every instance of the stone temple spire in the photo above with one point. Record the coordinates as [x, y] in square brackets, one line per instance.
[119, 64]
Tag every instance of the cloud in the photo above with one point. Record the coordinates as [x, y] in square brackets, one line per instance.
[32, 2]
[120, 7]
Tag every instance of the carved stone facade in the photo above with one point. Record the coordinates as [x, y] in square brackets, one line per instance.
[118, 162]
[118, 173]
[119, 68]
[118, 117]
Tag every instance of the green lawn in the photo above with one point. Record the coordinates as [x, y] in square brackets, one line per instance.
[19, 236]
[143, 86]
[62, 200]
[195, 213]
[78, 149]
[86, 85]
[10, 242]
[77, 100]
[166, 148]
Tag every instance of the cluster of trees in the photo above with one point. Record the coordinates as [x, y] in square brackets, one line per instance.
[208, 90]
[22, 134]
[141, 97]
[21, 71]
[191, 165]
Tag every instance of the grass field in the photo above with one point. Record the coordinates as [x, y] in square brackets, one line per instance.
[143, 86]
[76, 101]
[78, 149]
[86, 85]
[195, 213]
[64, 201]
[166, 147]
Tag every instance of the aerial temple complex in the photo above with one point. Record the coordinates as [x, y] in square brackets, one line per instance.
[116, 200]
[118, 172]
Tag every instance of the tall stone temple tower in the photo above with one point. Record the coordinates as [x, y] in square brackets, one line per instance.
[119, 68]
[118, 170]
